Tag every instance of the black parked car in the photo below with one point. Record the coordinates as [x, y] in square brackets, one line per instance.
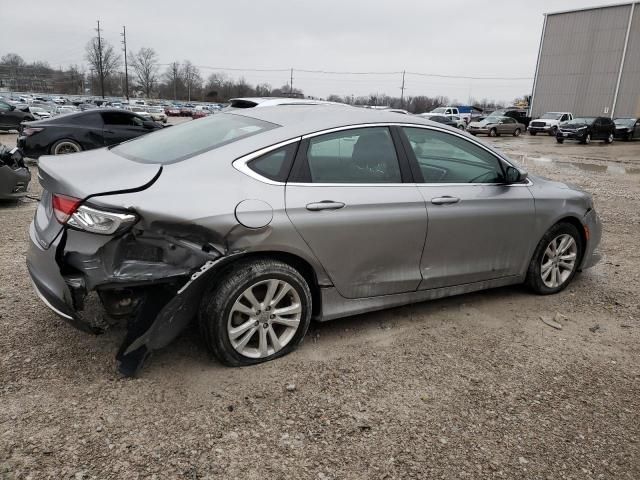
[519, 114]
[627, 128]
[446, 120]
[86, 130]
[586, 129]
[11, 117]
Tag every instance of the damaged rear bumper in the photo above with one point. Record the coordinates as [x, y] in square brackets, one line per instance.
[151, 281]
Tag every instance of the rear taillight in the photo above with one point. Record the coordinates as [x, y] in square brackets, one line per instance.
[70, 212]
[28, 131]
[64, 206]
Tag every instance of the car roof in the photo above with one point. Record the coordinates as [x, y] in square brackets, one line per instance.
[246, 102]
[303, 119]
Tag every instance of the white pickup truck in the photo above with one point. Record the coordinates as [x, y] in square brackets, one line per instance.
[549, 122]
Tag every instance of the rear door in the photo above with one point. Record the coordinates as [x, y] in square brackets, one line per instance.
[122, 126]
[507, 125]
[350, 198]
[479, 228]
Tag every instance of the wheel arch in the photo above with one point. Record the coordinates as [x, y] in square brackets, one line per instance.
[58, 140]
[576, 222]
[300, 264]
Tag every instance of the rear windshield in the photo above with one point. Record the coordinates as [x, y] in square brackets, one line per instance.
[174, 144]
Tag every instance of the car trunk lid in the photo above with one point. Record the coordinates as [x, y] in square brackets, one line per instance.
[85, 175]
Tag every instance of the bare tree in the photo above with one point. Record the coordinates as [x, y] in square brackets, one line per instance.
[102, 58]
[145, 65]
[173, 78]
[192, 77]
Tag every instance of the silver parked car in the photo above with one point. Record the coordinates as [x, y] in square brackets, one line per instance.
[256, 221]
[496, 125]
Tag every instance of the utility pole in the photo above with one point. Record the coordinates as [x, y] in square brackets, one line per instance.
[291, 84]
[402, 91]
[126, 70]
[100, 67]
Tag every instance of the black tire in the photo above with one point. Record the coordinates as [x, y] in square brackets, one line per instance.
[559, 140]
[66, 144]
[517, 132]
[609, 139]
[533, 134]
[216, 305]
[493, 132]
[587, 139]
[553, 131]
[534, 277]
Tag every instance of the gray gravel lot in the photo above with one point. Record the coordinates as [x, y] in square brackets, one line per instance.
[474, 386]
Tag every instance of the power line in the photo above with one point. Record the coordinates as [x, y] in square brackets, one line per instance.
[126, 69]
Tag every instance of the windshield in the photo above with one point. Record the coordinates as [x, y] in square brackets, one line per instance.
[551, 116]
[439, 110]
[625, 122]
[178, 143]
[582, 121]
[155, 110]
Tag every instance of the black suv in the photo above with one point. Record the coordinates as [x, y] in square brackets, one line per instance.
[11, 117]
[586, 129]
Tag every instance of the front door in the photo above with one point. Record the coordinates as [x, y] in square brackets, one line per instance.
[122, 126]
[479, 227]
[348, 201]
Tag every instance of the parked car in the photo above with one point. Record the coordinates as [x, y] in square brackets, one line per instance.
[200, 113]
[64, 109]
[167, 230]
[627, 128]
[518, 114]
[186, 110]
[442, 119]
[82, 131]
[11, 117]
[14, 174]
[38, 112]
[494, 126]
[586, 129]
[142, 111]
[460, 123]
[157, 114]
[172, 111]
[466, 112]
[549, 122]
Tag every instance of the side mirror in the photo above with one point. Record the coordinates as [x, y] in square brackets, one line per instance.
[514, 175]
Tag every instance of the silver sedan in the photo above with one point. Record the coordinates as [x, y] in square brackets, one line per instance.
[254, 222]
[495, 126]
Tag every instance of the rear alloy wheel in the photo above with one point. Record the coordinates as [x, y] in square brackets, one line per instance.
[62, 147]
[555, 260]
[259, 310]
[461, 127]
[587, 139]
[517, 132]
[493, 132]
[609, 138]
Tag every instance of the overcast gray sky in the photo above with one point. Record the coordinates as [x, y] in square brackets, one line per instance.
[496, 38]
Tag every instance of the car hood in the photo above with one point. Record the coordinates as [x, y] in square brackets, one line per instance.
[480, 124]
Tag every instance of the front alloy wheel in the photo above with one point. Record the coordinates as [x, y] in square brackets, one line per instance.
[558, 261]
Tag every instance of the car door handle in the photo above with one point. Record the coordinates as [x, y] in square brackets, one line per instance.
[444, 200]
[325, 205]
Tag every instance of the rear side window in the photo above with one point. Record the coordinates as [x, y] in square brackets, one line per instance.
[363, 155]
[120, 118]
[178, 143]
[446, 158]
[92, 119]
[275, 165]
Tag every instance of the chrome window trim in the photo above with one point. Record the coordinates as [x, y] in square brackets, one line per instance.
[240, 163]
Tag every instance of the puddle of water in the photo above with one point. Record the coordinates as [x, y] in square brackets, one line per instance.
[614, 169]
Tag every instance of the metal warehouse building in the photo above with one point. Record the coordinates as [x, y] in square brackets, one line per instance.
[589, 62]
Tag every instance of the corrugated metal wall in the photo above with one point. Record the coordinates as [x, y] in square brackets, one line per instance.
[580, 60]
[629, 94]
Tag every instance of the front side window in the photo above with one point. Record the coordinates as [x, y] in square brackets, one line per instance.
[180, 142]
[5, 107]
[362, 155]
[446, 158]
[508, 120]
